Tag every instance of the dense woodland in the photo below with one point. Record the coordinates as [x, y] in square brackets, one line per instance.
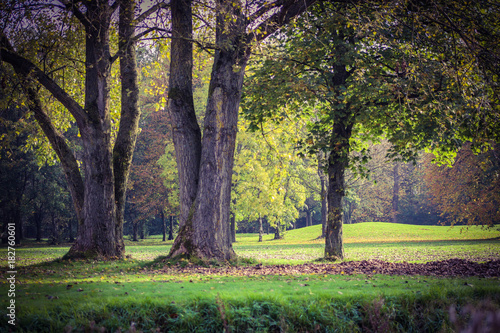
[337, 113]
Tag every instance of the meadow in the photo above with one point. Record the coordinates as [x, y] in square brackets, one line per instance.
[146, 292]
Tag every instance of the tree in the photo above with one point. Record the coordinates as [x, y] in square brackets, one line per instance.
[99, 195]
[364, 78]
[469, 191]
[205, 162]
[267, 180]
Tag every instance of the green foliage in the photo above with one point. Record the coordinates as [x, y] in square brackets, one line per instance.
[336, 65]
[267, 175]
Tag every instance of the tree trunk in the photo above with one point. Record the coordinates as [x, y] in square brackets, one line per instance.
[395, 193]
[135, 226]
[97, 235]
[233, 228]
[205, 167]
[130, 114]
[171, 229]
[337, 163]
[163, 226]
[99, 198]
[205, 232]
[186, 133]
[277, 232]
[324, 208]
[308, 218]
[261, 230]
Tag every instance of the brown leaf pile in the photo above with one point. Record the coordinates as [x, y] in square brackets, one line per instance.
[451, 267]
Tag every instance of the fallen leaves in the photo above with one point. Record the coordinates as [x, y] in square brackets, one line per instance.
[451, 267]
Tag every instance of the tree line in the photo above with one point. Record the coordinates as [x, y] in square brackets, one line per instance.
[402, 72]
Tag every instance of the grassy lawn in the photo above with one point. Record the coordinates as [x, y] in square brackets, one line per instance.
[86, 295]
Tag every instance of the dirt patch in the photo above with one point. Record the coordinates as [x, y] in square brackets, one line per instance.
[449, 268]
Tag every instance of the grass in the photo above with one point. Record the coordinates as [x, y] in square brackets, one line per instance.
[363, 241]
[86, 295]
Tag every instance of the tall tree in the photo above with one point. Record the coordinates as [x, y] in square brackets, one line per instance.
[364, 86]
[205, 162]
[99, 194]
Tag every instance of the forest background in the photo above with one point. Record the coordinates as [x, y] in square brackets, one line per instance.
[276, 186]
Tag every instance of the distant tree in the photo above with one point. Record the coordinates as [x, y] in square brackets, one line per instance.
[267, 180]
[468, 192]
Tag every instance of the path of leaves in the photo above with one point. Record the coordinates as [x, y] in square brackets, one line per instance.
[451, 267]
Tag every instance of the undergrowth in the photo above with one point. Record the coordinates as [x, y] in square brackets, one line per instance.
[382, 314]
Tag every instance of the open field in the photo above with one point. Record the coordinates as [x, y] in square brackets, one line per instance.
[155, 293]
[363, 241]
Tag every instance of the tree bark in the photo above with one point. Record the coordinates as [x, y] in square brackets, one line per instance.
[338, 161]
[186, 133]
[130, 114]
[233, 228]
[277, 232]
[205, 165]
[99, 196]
[97, 235]
[171, 228]
[205, 232]
[395, 193]
[324, 207]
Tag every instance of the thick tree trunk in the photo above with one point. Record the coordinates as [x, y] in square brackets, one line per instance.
[97, 235]
[205, 168]
[205, 234]
[130, 115]
[186, 133]
[395, 193]
[99, 198]
[308, 218]
[337, 163]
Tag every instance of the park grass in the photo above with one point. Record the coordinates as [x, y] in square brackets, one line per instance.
[55, 295]
[363, 241]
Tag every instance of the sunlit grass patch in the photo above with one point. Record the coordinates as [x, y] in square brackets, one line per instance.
[253, 303]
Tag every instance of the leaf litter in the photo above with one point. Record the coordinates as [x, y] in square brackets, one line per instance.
[445, 268]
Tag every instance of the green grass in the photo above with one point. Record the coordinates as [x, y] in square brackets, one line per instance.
[53, 295]
[363, 241]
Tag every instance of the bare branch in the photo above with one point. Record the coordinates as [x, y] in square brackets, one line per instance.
[71, 6]
[289, 10]
[151, 10]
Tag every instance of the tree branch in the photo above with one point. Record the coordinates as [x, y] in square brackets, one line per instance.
[290, 9]
[58, 143]
[151, 10]
[26, 68]
[71, 6]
